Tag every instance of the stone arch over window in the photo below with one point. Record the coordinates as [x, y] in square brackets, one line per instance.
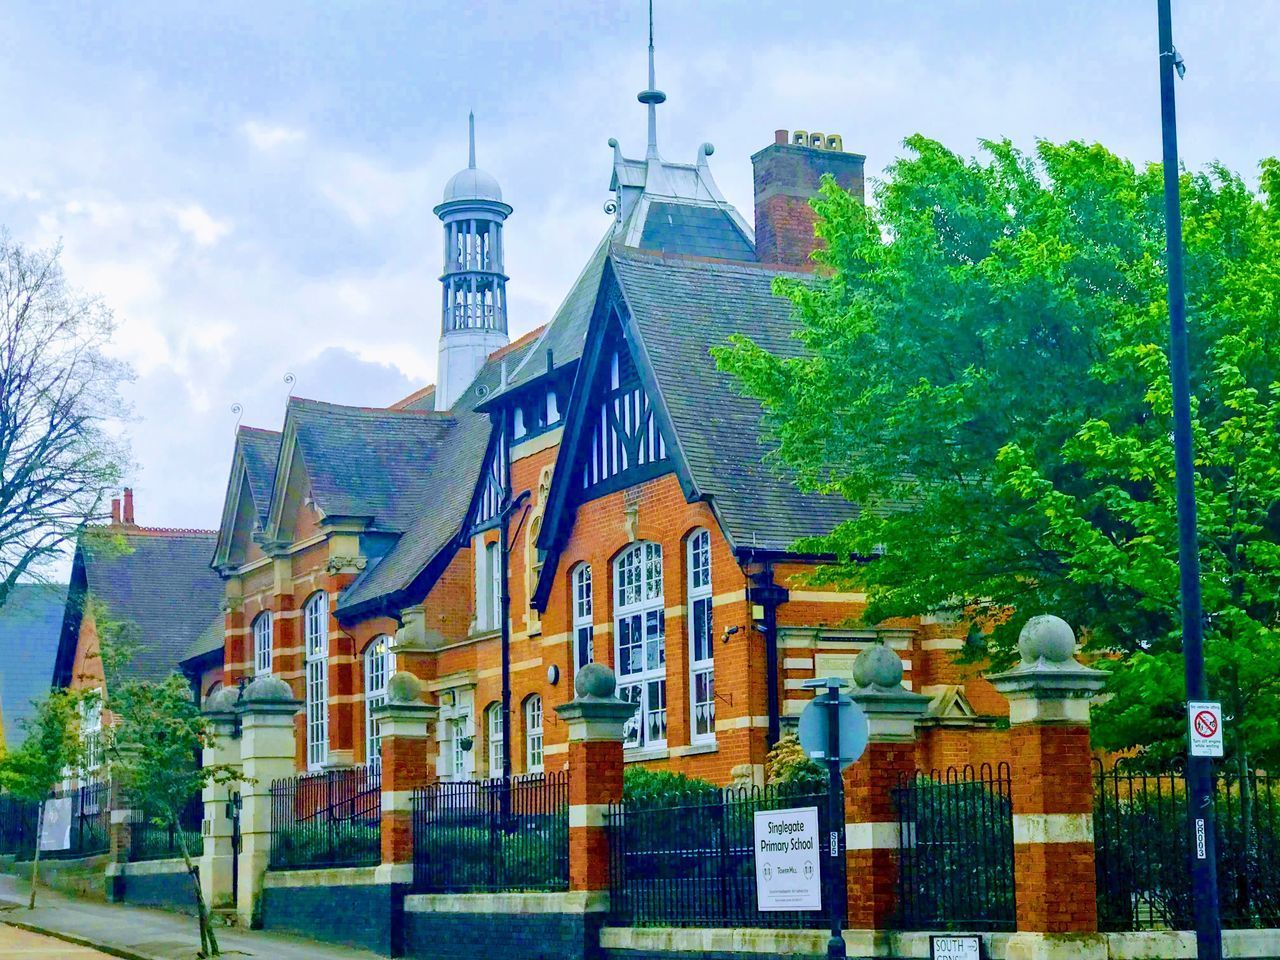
[315, 631]
[640, 642]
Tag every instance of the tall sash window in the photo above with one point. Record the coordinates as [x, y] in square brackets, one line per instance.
[495, 733]
[641, 643]
[702, 699]
[583, 629]
[315, 620]
[379, 663]
[262, 644]
[533, 734]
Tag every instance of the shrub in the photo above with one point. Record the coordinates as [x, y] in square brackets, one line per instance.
[662, 787]
[790, 771]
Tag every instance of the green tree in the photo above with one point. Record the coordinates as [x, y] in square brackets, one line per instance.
[155, 763]
[982, 369]
[51, 749]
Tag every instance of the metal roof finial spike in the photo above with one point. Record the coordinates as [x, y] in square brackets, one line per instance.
[471, 155]
[652, 97]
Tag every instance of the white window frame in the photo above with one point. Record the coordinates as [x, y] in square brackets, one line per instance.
[533, 736]
[263, 638]
[459, 730]
[583, 618]
[639, 620]
[494, 735]
[379, 664]
[315, 619]
[488, 587]
[91, 735]
[701, 620]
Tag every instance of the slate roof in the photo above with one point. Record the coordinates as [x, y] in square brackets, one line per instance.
[566, 333]
[261, 450]
[439, 500]
[156, 581]
[682, 308]
[698, 231]
[368, 462]
[30, 621]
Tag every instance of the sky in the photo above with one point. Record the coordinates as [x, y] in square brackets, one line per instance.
[249, 185]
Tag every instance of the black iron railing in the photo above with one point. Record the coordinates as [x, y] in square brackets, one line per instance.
[89, 809]
[149, 840]
[955, 831]
[329, 819]
[690, 860]
[492, 835]
[18, 825]
[1143, 849]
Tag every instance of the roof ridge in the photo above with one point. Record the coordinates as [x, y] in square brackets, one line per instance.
[274, 433]
[377, 411]
[746, 266]
[133, 530]
[413, 397]
[517, 343]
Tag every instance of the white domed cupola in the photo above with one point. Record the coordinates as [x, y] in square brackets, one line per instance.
[474, 306]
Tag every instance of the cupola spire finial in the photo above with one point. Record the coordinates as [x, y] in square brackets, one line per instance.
[471, 156]
[652, 97]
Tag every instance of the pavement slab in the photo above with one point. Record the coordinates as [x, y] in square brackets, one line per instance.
[138, 933]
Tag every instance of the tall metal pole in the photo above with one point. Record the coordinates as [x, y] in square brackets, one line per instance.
[835, 798]
[1204, 872]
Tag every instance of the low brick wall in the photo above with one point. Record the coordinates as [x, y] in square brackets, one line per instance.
[349, 906]
[513, 926]
[152, 883]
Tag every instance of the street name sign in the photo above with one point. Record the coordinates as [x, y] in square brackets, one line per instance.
[788, 875]
[1204, 727]
[952, 946]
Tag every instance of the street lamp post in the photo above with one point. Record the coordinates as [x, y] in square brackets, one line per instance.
[1200, 814]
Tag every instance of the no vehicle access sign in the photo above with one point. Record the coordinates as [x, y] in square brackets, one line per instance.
[1204, 728]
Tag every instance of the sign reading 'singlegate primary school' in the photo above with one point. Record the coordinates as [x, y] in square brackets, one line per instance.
[788, 874]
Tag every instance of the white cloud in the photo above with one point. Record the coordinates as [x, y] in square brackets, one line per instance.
[268, 137]
[200, 225]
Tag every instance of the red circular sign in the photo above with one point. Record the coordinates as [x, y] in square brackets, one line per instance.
[1206, 724]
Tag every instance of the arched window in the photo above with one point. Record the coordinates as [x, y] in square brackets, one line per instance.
[262, 644]
[315, 620]
[533, 734]
[379, 662]
[702, 683]
[494, 731]
[640, 643]
[583, 625]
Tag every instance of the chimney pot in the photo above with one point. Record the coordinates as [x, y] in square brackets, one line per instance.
[128, 505]
[115, 511]
[787, 175]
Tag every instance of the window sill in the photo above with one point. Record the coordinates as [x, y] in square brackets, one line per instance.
[649, 753]
[696, 749]
[486, 634]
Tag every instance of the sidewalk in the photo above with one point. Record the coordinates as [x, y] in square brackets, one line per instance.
[140, 934]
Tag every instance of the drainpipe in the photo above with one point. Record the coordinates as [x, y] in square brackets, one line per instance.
[769, 596]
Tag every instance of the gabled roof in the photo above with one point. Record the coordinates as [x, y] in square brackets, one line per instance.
[439, 502]
[155, 582]
[260, 449]
[681, 308]
[253, 467]
[359, 461]
[30, 621]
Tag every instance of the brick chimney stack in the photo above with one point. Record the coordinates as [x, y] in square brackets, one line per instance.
[115, 511]
[128, 505]
[787, 173]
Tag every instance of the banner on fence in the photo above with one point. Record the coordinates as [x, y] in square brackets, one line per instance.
[788, 875]
[55, 832]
